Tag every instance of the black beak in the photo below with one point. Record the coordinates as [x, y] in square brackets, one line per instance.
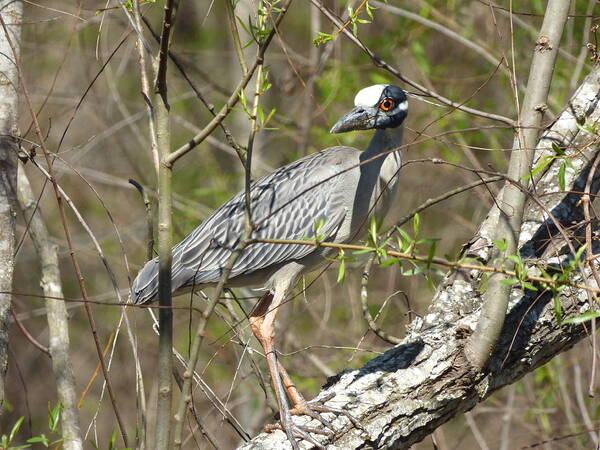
[360, 118]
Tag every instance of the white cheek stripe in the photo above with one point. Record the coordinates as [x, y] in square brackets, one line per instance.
[401, 107]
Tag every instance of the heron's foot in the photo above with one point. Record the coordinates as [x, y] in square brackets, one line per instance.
[316, 408]
[294, 431]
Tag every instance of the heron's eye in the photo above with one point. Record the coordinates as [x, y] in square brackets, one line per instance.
[387, 105]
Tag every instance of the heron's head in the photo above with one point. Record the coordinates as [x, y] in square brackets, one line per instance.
[378, 106]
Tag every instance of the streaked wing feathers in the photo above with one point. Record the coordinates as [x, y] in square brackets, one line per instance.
[286, 204]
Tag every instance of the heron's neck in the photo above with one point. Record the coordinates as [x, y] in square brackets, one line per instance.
[383, 141]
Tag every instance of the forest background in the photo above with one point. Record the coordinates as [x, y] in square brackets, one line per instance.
[80, 63]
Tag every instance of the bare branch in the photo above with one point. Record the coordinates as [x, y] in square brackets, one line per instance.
[165, 237]
[58, 319]
[496, 295]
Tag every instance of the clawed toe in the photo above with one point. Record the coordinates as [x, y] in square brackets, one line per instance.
[317, 407]
[299, 432]
[313, 409]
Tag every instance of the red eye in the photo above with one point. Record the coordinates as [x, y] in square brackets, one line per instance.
[387, 105]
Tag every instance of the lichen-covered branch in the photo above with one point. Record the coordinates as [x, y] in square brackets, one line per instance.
[12, 13]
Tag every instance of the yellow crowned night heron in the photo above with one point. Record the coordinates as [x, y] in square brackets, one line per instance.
[337, 188]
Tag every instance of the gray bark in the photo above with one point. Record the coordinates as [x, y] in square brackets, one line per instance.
[403, 395]
[11, 13]
[58, 323]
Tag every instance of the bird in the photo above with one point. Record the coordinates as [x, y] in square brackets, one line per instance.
[328, 195]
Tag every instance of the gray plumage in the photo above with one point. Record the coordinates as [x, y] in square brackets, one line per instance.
[338, 187]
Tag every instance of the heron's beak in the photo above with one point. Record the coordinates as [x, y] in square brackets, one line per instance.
[360, 118]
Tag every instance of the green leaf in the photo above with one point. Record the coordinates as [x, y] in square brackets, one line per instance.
[528, 285]
[389, 262]
[580, 251]
[112, 443]
[369, 10]
[557, 308]
[510, 281]
[431, 254]
[318, 226]
[15, 428]
[542, 164]
[341, 257]
[373, 230]
[260, 114]
[41, 439]
[559, 151]
[586, 316]
[269, 116]
[53, 416]
[341, 271]
[561, 176]
[406, 240]
[515, 258]
[322, 38]
[501, 244]
[417, 225]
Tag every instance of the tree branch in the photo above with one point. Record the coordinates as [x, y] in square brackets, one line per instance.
[496, 299]
[58, 319]
[165, 237]
[9, 102]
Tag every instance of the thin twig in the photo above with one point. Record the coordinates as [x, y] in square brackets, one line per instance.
[585, 200]
[149, 223]
[37, 344]
[235, 35]
[425, 259]
[142, 50]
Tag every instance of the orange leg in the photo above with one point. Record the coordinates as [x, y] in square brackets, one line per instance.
[262, 323]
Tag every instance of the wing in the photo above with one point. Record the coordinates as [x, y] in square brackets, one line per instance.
[285, 204]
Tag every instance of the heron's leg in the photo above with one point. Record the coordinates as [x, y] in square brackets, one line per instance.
[313, 408]
[262, 323]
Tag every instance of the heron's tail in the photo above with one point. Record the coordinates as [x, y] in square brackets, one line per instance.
[145, 285]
